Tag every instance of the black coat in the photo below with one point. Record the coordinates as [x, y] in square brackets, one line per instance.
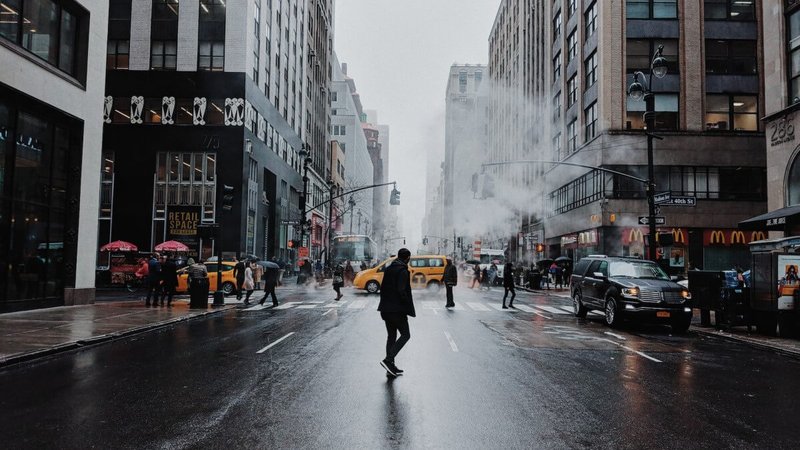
[508, 276]
[450, 275]
[169, 273]
[396, 290]
[238, 272]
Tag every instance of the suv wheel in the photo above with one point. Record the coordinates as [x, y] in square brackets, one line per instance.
[577, 305]
[611, 314]
[373, 287]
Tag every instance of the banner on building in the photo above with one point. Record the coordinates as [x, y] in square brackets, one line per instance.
[182, 224]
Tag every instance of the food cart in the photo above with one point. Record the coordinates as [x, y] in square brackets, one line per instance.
[124, 261]
[775, 292]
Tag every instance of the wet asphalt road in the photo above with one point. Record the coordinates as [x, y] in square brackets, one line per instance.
[476, 377]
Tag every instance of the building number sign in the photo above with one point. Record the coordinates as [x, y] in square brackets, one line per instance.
[782, 130]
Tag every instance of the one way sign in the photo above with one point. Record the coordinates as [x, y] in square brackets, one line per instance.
[660, 220]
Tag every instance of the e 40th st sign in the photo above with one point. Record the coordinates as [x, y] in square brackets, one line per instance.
[667, 199]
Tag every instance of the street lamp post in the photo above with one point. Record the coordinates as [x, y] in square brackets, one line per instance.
[359, 221]
[352, 203]
[658, 67]
[331, 188]
[306, 161]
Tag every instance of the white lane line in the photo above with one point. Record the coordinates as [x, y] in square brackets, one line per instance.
[477, 306]
[328, 311]
[453, 345]
[306, 306]
[643, 355]
[274, 343]
[550, 309]
[357, 304]
[621, 338]
[286, 306]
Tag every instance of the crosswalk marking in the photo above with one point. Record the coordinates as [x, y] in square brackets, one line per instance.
[286, 306]
[256, 308]
[500, 308]
[477, 306]
[567, 309]
[338, 304]
[306, 306]
[357, 304]
[432, 305]
[550, 309]
[525, 308]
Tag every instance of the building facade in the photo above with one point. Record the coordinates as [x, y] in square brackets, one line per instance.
[346, 128]
[206, 93]
[51, 84]
[707, 111]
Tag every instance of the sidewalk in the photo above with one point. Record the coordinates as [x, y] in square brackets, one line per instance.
[27, 335]
[786, 346]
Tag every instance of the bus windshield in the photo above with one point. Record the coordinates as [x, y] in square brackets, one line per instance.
[353, 248]
[488, 259]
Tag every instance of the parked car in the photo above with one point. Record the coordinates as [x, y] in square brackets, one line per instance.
[628, 288]
[228, 280]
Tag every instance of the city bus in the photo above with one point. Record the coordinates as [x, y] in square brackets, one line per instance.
[356, 248]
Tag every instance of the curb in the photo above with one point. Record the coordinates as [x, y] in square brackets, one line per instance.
[744, 340]
[103, 338]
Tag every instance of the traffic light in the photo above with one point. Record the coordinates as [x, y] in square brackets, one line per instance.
[539, 248]
[425, 241]
[394, 199]
[227, 197]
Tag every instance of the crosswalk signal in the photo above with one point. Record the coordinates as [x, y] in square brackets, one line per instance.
[227, 197]
[394, 199]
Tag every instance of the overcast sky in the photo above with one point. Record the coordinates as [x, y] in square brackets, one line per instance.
[399, 53]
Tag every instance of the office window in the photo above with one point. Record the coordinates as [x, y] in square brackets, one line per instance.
[651, 9]
[732, 112]
[118, 54]
[793, 44]
[666, 108]
[731, 57]
[557, 26]
[730, 10]
[590, 18]
[211, 56]
[572, 46]
[462, 82]
[557, 66]
[572, 136]
[557, 147]
[572, 5]
[590, 68]
[163, 55]
[45, 28]
[590, 119]
[572, 90]
[557, 105]
[165, 10]
[639, 54]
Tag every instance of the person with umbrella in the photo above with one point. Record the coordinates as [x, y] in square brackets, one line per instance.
[271, 275]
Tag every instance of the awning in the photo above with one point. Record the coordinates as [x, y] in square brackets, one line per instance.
[774, 220]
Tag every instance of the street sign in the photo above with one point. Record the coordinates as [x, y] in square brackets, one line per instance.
[660, 220]
[662, 197]
[290, 222]
[681, 201]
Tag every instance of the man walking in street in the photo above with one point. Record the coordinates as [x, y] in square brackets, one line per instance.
[450, 280]
[508, 284]
[396, 305]
[271, 277]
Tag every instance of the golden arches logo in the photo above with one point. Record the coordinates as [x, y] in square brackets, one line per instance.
[758, 236]
[636, 235]
[677, 236]
[737, 237]
[717, 237]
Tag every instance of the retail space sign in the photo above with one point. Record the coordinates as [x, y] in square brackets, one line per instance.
[660, 220]
[182, 226]
[302, 252]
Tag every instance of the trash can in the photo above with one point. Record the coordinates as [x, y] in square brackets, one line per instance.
[535, 281]
[198, 293]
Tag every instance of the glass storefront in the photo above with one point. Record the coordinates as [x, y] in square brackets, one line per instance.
[36, 146]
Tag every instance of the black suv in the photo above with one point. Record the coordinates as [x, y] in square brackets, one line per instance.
[627, 288]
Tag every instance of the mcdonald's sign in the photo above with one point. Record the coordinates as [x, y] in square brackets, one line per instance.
[679, 236]
[758, 236]
[631, 235]
[737, 237]
[716, 237]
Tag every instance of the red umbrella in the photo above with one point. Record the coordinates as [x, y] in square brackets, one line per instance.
[119, 246]
[171, 246]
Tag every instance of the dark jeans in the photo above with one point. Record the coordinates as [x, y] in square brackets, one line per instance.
[337, 288]
[249, 293]
[153, 288]
[239, 284]
[167, 291]
[269, 289]
[513, 294]
[449, 290]
[395, 322]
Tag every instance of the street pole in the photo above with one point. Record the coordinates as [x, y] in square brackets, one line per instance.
[352, 209]
[650, 121]
[331, 186]
[306, 161]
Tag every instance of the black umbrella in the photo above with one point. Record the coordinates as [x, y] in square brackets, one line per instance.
[544, 262]
[268, 265]
[562, 259]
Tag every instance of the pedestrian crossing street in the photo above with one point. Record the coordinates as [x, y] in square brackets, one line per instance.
[426, 305]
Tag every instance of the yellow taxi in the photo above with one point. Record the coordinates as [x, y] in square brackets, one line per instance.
[228, 280]
[426, 272]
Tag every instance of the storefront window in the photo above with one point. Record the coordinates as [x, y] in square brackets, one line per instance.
[793, 184]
